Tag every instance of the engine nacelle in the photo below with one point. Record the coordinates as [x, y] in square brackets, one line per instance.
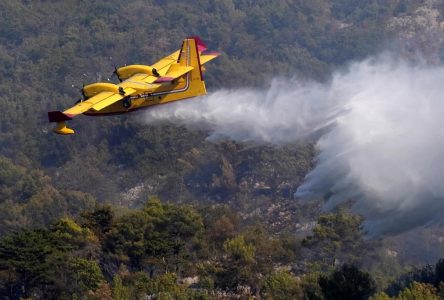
[128, 71]
[95, 88]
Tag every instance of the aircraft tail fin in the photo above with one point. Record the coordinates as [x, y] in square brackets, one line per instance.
[189, 56]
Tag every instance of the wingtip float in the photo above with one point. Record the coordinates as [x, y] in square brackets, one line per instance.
[60, 118]
[175, 77]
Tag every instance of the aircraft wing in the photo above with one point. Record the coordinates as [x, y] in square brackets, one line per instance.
[97, 102]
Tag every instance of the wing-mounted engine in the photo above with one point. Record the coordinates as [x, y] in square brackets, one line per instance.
[91, 90]
[128, 71]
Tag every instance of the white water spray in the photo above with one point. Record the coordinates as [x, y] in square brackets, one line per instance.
[384, 143]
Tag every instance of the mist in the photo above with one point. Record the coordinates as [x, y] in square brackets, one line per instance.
[285, 111]
[379, 129]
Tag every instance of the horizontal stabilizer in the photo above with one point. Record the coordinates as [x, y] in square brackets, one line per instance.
[58, 116]
[164, 79]
[206, 57]
[175, 71]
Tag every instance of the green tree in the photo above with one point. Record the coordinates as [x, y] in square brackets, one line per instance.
[157, 237]
[50, 262]
[126, 238]
[237, 267]
[87, 274]
[380, 296]
[99, 220]
[239, 251]
[439, 271]
[311, 288]
[25, 255]
[281, 285]
[425, 274]
[337, 238]
[120, 292]
[347, 283]
[418, 291]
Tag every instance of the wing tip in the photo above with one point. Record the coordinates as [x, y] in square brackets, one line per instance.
[58, 116]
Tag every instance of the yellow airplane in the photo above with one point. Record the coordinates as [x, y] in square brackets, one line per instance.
[175, 77]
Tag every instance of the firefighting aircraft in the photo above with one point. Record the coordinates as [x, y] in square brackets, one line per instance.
[175, 77]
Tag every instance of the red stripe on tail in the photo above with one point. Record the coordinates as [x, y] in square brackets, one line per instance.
[200, 44]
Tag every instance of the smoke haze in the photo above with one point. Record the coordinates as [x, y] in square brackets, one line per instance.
[381, 142]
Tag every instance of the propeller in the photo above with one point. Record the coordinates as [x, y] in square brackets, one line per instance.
[84, 97]
[115, 74]
[81, 91]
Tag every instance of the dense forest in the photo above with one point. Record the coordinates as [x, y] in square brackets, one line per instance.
[126, 210]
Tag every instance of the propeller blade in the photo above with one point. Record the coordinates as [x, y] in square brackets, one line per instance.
[116, 74]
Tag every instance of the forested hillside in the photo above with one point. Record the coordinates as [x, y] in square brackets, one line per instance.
[124, 210]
